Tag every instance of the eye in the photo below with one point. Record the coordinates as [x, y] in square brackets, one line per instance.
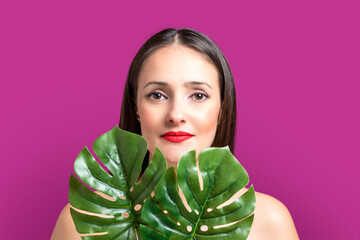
[199, 97]
[157, 96]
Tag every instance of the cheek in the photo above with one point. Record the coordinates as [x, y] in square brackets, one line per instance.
[150, 119]
[207, 121]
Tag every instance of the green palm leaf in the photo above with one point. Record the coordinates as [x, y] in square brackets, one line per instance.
[223, 176]
[122, 153]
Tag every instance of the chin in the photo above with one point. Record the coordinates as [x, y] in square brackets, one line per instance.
[172, 160]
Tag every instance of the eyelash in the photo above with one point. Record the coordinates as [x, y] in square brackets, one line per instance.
[151, 94]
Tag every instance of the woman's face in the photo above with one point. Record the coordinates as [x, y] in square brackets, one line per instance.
[178, 102]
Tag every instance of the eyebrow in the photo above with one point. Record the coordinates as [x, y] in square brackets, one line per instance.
[186, 84]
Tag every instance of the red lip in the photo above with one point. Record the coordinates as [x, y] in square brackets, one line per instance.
[176, 136]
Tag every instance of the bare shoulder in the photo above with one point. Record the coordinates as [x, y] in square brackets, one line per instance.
[272, 220]
[65, 228]
[271, 208]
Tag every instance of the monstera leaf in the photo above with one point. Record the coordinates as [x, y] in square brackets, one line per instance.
[117, 216]
[208, 217]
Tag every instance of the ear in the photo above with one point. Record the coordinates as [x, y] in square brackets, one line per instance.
[137, 113]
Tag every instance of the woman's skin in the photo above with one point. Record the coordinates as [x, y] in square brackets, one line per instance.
[179, 90]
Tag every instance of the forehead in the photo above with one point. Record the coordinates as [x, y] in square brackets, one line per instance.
[178, 64]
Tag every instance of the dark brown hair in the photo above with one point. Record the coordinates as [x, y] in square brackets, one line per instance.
[225, 133]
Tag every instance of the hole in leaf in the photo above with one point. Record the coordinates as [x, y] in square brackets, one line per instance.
[204, 228]
[102, 165]
[232, 199]
[105, 196]
[92, 214]
[139, 178]
[152, 194]
[182, 196]
[209, 209]
[197, 212]
[225, 225]
[189, 228]
[137, 207]
[122, 197]
[201, 181]
[125, 215]
[131, 189]
[93, 234]
[165, 211]
[178, 223]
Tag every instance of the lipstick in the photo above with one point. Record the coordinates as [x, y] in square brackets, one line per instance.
[176, 137]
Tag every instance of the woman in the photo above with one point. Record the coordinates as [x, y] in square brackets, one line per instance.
[180, 96]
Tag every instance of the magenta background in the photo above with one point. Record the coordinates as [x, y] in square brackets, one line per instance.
[296, 67]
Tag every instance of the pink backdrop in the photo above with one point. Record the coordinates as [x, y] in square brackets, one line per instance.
[296, 67]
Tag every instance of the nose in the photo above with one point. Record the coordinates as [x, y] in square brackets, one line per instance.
[176, 114]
